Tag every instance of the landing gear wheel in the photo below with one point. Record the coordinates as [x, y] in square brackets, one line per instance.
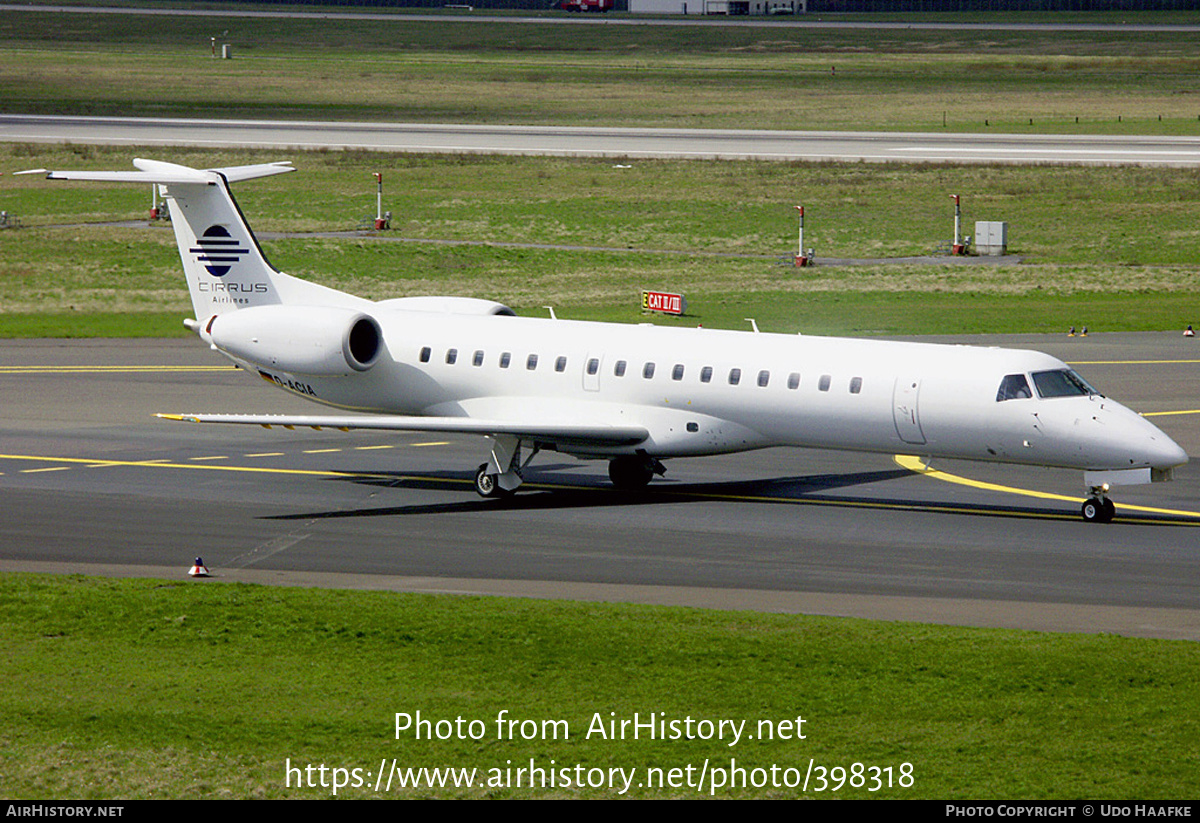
[630, 473]
[487, 484]
[1098, 510]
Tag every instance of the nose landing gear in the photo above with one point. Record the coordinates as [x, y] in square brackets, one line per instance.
[1098, 508]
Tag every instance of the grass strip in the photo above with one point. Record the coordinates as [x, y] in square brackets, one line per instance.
[92, 324]
[1127, 81]
[1110, 248]
[142, 688]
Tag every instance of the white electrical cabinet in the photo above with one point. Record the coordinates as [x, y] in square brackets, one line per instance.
[991, 238]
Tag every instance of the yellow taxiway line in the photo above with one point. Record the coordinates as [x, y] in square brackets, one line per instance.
[915, 464]
[1169, 413]
[909, 462]
[1126, 362]
[110, 369]
[93, 462]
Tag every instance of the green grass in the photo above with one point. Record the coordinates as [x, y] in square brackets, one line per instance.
[139, 688]
[684, 76]
[871, 313]
[93, 324]
[1111, 248]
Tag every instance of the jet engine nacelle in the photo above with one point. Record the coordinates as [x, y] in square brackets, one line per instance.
[451, 305]
[311, 340]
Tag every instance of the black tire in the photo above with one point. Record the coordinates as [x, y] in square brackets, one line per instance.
[1096, 510]
[1110, 511]
[486, 483]
[630, 473]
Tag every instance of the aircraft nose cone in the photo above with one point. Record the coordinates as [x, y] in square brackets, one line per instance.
[1167, 453]
[1147, 444]
[1158, 449]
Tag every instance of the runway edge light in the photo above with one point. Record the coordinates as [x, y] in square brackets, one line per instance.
[197, 569]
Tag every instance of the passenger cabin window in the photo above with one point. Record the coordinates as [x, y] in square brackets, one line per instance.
[794, 380]
[764, 377]
[1061, 383]
[505, 359]
[706, 374]
[648, 370]
[452, 356]
[735, 376]
[619, 369]
[531, 362]
[677, 372]
[825, 381]
[560, 364]
[478, 359]
[593, 365]
[855, 385]
[1013, 387]
[425, 352]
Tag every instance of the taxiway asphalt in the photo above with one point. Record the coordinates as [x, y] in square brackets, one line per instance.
[92, 482]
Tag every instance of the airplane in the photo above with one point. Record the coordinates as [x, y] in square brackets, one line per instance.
[634, 395]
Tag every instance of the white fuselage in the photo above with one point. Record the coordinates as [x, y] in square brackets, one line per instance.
[706, 391]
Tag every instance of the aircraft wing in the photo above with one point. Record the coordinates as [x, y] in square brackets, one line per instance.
[563, 433]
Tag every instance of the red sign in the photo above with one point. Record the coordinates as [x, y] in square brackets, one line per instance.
[664, 302]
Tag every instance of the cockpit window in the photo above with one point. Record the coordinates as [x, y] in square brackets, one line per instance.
[1061, 383]
[1013, 387]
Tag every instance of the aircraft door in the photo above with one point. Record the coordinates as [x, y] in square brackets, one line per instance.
[591, 372]
[905, 410]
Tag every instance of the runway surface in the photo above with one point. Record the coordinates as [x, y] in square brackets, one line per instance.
[405, 16]
[92, 482]
[606, 142]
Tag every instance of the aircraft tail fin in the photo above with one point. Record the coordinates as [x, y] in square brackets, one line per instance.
[225, 267]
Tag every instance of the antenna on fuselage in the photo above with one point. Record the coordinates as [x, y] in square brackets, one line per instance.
[551, 309]
[753, 324]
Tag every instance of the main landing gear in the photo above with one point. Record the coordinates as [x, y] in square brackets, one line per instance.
[487, 483]
[501, 475]
[1098, 508]
[628, 472]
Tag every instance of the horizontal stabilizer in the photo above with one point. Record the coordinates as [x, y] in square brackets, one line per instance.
[594, 434]
[235, 173]
[168, 174]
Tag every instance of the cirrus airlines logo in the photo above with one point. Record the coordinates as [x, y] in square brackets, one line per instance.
[217, 250]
